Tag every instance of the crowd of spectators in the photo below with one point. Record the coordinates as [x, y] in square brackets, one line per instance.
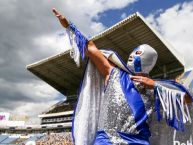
[56, 139]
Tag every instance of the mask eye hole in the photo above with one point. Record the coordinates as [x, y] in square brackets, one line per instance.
[138, 52]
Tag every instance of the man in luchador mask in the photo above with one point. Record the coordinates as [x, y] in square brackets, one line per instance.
[117, 99]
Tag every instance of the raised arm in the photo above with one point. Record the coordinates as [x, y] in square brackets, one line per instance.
[104, 66]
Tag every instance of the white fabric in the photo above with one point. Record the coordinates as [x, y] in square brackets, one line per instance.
[113, 58]
[170, 98]
[148, 58]
[87, 110]
[74, 52]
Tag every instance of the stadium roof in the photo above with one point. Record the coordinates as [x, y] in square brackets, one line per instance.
[61, 72]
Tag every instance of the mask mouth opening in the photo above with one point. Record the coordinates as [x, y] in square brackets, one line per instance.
[130, 58]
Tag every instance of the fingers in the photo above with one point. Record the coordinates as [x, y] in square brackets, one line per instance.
[61, 18]
[140, 79]
[57, 14]
[149, 83]
[55, 11]
[136, 77]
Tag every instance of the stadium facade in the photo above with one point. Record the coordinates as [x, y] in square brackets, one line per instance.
[60, 114]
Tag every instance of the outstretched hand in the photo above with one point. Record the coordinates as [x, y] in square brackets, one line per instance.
[149, 83]
[61, 18]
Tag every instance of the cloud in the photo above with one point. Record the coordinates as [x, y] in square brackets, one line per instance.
[175, 24]
[32, 107]
[30, 32]
[123, 15]
[19, 96]
[85, 13]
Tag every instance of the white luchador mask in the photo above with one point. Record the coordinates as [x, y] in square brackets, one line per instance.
[142, 59]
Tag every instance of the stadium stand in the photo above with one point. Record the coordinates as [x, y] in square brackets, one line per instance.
[56, 139]
[59, 115]
[63, 138]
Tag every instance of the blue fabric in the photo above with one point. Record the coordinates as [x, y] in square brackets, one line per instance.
[134, 139]
[181, 125]
[179, 86]
[173, 122]
[102, 139]
[81, 40]
[137, 64]
[178, 125]
[157, 105]
[136, 103]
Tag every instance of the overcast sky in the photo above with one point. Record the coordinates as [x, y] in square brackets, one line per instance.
[29, 32]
